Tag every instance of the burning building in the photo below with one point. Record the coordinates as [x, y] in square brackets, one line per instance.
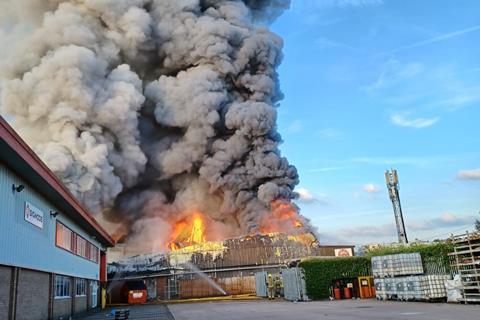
[160, 116]
[197, 268]
[230, 265]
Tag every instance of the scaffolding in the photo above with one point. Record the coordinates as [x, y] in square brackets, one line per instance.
[465, 261]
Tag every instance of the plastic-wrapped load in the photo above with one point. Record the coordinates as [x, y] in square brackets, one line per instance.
[454, 289]
[421, 288]
[377, 269]
[391, 287]
[380, 292]
[436, 286]
[397, 265]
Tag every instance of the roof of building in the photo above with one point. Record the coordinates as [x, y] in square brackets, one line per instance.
[19, 157]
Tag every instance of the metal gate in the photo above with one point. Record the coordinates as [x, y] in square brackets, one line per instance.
[294, 284]
[261, 284]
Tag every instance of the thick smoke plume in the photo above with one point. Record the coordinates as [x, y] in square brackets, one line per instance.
[149, 109]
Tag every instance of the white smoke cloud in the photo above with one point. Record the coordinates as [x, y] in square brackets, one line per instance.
[148, 109]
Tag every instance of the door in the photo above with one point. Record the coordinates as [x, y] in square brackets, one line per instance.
[151, 289]
[94, 293]
[261, 284]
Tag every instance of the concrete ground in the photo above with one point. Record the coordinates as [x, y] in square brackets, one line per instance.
[328, 310]
[141, 312]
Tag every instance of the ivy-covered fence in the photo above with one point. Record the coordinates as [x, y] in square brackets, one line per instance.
[319, 273]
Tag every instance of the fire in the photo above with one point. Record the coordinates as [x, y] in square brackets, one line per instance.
[284, 216]
[187, 232]
[297, 224]
[198, 230]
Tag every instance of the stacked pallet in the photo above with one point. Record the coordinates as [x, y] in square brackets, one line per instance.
[400, 277]
[465, 261]
[397, 265]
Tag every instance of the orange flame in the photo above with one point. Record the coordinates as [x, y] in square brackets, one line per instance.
[297, 224]
[283, 217]
[187, 232]
[197, 235]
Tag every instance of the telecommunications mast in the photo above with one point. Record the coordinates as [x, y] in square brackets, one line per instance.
[392, 185]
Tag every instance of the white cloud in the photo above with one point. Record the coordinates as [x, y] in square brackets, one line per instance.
[371, 188]
[329, 134]
[370, 231]
[414, 161]
[295, 127]
[341, 3]
[325, 43]
[394, 72]
[305, 196]
[473, 174]
[326, 169]
[445, 220]
[438, 38]
[402, 120]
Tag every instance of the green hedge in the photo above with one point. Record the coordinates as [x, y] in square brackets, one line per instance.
[434, 255]
[319, 273]
[435, 249]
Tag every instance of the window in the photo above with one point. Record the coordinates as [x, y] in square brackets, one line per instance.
[64, 237]
[81, 247]
[71, 241]
[62, 287]
[81, 287]
[93, 256]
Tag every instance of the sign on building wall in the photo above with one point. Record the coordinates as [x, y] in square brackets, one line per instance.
[33, 215]
[343, 252]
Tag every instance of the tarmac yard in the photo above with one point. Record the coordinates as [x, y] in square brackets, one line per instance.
[283, 310]
[331, 310]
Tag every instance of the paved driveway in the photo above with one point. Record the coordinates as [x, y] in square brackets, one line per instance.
[328, 310]
[141, 312]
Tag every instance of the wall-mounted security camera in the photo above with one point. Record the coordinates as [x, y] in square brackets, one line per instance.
[53, 214]
[18, 188]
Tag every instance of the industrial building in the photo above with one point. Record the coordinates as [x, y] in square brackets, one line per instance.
[231, 264]
[52, 251]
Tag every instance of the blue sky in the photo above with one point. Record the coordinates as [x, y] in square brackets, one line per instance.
[371, 85]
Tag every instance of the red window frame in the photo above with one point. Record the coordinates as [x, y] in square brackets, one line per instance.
[90, 248]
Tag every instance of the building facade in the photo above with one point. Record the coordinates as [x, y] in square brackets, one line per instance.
[231, 264]
[52, 251]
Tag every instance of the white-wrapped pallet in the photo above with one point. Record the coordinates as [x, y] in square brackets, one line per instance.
[388, 266]
[400, 276]
[414, 289]
[408, 264]
[420, 288]
[377, 269]
[397, 265]
[380, 292]
[391, 288]
[436, 286]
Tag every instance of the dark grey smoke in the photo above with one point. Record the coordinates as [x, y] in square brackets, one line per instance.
[149, 109]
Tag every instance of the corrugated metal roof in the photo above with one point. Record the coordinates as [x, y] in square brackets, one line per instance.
[18, 156]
